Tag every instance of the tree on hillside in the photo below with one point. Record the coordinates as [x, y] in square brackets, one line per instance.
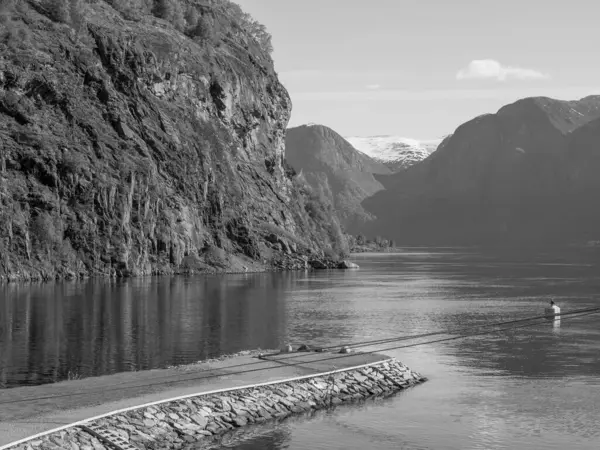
[191, 18]
[177, 17]
[262, 36]
[44, 232]
[203, 29]
[131, 9]
[247, 23]
[163, 9]
[6, 6]
[66, 11]
[13, 33]
[76, 14]
[58, 10]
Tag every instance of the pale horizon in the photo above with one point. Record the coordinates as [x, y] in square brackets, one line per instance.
[420, 69]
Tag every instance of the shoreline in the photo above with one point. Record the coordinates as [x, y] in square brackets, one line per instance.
[7, 279]
[28, 410]
[214, 407]
[312, 265]
[224, 357]
[196, 366]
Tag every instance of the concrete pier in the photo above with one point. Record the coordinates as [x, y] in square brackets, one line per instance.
[172, 408]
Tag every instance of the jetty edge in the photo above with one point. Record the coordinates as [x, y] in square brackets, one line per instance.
[178, 422]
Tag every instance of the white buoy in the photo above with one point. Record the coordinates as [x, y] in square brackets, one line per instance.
[552, 312]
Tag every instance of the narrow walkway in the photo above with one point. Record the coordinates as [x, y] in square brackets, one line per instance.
[28, 411]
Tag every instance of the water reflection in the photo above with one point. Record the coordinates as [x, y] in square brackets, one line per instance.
[252, 438]
[100, 327]
[556, 325]
[529, 388]
[546, 350]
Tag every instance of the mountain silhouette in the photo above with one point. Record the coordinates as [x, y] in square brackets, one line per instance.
[525, 174]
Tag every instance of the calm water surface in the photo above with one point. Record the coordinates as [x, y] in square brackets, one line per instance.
[533, 388]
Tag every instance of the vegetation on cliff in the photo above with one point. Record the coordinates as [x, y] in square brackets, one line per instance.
[145, 137]
[341, 175]
[362, 244]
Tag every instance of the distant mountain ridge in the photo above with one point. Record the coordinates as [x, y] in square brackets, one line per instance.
[332, 166]
[397, 153]
[527, 173]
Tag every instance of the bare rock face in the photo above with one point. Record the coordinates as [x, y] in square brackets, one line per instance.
[525, 174]
[128, 148]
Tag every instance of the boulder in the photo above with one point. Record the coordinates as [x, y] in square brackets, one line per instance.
[347, 265]
[316, 264]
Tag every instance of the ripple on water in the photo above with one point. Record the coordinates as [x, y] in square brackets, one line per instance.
[527, 389]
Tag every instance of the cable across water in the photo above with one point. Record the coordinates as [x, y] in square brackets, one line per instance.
[563, 316]
[357, 344]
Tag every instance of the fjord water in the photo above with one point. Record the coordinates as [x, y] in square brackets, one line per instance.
[529, 388]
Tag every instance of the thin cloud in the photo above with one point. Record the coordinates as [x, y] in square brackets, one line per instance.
[492, 69]
[373, 87]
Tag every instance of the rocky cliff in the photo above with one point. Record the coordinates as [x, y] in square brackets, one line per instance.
[524, 174]
[342, 175]
[130, 146]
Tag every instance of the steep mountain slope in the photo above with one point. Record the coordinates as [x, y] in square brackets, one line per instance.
[397, 153]
[131, 148]
[582, 161]
[503, 176]
[333, 167]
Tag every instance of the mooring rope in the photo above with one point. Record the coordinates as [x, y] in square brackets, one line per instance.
[563, 316]
[437, 333]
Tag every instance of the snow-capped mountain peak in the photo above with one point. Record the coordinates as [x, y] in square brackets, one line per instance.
[398, 153]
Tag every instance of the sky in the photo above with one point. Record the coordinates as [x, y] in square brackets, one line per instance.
[420, 68]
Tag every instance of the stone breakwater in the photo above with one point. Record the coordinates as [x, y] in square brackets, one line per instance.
[180, 423]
